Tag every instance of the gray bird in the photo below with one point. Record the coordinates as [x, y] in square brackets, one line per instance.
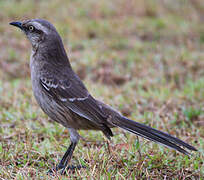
[64, 98]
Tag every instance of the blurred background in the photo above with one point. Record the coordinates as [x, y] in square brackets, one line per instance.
[145, 58]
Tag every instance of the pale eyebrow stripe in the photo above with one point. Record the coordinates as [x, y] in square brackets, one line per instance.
[39, 26]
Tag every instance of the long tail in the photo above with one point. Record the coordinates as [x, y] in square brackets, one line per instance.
[152, 134]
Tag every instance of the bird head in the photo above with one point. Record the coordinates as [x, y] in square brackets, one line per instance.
[38, 31]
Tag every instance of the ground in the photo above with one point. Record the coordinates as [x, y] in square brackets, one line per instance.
[144, 58]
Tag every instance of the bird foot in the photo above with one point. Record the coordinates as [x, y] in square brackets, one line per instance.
[62, 169]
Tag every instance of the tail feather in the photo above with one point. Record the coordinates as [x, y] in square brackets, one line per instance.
[152, 134]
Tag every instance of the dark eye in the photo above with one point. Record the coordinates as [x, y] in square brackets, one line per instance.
[31, 28]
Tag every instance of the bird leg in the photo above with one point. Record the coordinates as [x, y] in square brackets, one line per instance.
[63, 164]
[67, 156]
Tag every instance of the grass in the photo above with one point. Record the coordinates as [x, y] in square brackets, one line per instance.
[144, 58]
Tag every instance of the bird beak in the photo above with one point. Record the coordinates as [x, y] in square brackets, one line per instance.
[17, 24]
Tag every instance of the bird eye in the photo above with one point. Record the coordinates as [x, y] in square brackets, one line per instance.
[31, 28]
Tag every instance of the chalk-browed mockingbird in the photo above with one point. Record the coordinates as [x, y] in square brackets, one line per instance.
[64, 98]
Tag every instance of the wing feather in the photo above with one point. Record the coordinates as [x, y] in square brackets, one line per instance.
[73, 95]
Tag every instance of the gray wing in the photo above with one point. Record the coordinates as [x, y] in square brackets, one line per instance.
[73, 95]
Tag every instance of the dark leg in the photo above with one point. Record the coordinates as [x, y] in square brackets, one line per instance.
[67, 156]
[74, 136]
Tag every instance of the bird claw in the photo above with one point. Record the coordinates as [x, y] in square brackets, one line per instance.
[62, 169]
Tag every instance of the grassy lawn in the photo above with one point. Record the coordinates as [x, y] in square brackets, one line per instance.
[144, 58]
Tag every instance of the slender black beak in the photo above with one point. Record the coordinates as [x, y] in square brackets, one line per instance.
[17, 24]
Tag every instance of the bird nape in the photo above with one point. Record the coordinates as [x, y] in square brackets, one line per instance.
[64, 98]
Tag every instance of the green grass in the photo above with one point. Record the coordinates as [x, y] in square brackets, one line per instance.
[144, 58]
